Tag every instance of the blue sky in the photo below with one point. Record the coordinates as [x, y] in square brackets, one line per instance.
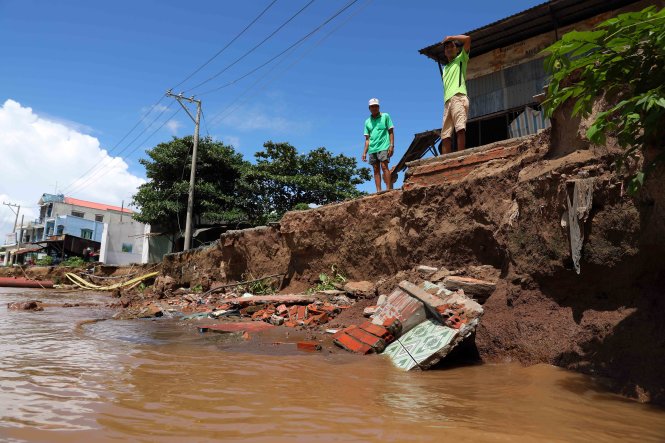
[97, 66]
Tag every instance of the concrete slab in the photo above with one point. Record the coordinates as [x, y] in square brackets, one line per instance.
[417, 348]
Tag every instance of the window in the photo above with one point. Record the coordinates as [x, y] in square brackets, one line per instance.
[99, 218]
[78, 214]
[86, 233]
[127, 247]
[61, 229]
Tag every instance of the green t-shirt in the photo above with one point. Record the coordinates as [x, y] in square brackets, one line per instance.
[454, 76]
[377, 129]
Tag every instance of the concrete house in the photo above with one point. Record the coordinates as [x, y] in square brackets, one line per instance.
[506, 76]
[68, 226]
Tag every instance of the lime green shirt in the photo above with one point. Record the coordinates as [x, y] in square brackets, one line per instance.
[454, 76]
[377, 129]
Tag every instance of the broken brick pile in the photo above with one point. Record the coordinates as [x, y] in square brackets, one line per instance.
[368, 337]
[416, 326]
[316, 313]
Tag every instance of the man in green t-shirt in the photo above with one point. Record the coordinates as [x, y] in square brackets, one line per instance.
[379, 143]
[456, 107]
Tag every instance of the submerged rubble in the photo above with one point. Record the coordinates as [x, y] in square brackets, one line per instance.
[416, 326]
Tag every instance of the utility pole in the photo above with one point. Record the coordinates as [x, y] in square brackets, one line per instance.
[15, 212]
[192, 173]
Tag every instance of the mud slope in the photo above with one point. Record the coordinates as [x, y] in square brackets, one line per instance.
[608, 321]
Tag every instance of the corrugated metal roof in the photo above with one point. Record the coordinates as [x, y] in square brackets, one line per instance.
[419, 146]
[529, 23]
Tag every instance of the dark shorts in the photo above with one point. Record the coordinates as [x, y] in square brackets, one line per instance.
[378, 157]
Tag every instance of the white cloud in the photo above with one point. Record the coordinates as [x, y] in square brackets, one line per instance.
[37, 153]
[173, 126]
[252, 119]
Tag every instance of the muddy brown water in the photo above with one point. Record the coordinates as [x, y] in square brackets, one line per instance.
[64, 379]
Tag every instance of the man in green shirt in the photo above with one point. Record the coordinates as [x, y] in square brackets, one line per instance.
[456, 107]
[379, 143]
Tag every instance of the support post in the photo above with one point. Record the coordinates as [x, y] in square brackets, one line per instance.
[192, 172]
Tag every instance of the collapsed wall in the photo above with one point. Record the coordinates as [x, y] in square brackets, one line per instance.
[510, 213]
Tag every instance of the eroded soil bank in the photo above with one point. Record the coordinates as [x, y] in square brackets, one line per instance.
[507, 220]
[608, 321]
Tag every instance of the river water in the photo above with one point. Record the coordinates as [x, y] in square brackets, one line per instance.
[160, 380]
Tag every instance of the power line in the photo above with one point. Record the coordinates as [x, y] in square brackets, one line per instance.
[141, 120]
[145, 116]
[218, 117]
[73, 186]
[227, 45]
[253, 49]
[303, 38]
[106, 171]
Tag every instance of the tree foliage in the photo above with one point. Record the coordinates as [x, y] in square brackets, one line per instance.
[282, 178]
[231, 190]
[220, 190]
[624, 58]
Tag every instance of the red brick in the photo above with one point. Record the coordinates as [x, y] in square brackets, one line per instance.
[290, 324]
[351, 344]
[377, 330]
[302, 313]
[309, 346]
[375, 342]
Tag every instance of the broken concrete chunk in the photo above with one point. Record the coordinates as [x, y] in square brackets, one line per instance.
[31, 305]
[342, 300]
[360, 289]
[422, 346]
[426, 270]
[369, 311]
[400, 306]
[478, 289]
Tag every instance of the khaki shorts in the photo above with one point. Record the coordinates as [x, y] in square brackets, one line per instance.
[378, 157]
[455, 112]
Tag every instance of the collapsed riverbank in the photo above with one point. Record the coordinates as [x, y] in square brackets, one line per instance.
[510, 217]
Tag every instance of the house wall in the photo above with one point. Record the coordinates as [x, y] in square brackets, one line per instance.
[73, 226]
[129, 234]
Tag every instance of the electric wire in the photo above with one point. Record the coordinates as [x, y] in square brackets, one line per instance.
[103, 172]
[82, 182]
[218, 53]
[302, 39]
[253, 49]
[69, 188]
[219, 116]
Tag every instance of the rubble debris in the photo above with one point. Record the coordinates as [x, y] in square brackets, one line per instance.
[309, 346]
[426, 271]
[478, 289]
[403, 307]
[363, 339]
[360, 289]
[242, 327]
[258, 299]
[422, 346]
[32, 305]
[369, 311]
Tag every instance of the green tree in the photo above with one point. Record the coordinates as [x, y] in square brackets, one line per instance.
[624, 58]
[282, 178]
[220, 191]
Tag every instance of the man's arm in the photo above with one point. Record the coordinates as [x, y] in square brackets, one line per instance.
[366, 147]
[465, 39]
[391, 133]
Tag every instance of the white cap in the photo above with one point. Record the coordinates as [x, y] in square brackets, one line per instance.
[374, 101]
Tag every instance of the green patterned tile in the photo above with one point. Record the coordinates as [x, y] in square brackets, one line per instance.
[415, 349]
